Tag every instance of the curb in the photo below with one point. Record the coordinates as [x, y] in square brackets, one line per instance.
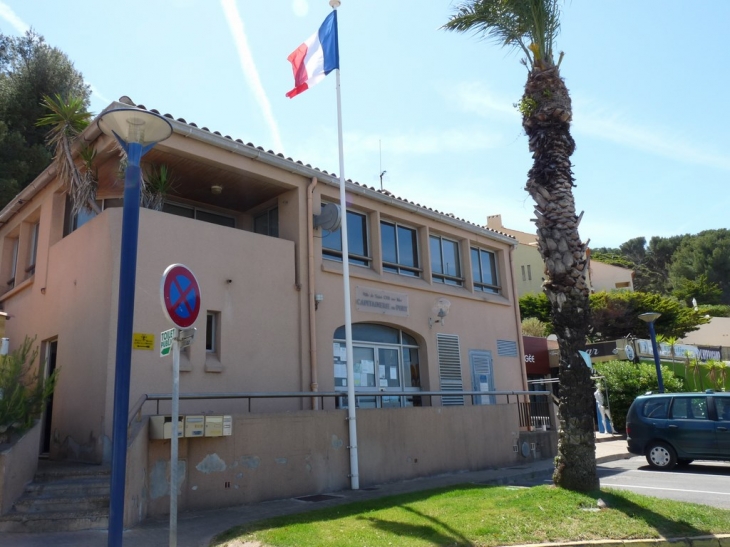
[720, 540]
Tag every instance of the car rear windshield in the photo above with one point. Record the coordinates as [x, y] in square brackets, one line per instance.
[656, 408]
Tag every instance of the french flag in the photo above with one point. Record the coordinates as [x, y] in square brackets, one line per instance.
[316, 57]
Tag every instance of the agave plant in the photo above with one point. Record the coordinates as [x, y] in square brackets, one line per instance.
[157, 182]
[68, 118]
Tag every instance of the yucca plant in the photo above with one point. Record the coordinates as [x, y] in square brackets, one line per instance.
[23, 392]
[157, 182]
[68, 118]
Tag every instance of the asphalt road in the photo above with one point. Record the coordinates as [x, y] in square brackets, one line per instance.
[701, 482]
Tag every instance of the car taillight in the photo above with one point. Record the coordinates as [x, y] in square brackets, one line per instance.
[628, 429]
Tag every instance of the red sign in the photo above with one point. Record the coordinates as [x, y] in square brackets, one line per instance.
[180, 294]
[536, 355]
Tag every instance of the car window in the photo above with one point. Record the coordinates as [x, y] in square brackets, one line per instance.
[656, 408]
[691, 408]
[722, 404]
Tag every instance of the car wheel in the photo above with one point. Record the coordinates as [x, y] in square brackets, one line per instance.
[684, 463]
[661, 456]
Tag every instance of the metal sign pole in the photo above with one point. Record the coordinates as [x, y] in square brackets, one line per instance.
[174, 440]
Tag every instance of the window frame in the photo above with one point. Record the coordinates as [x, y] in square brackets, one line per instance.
[441, 277]
[397, 267]
[479, 284]
[12, 282]
[33, 249]
[329, 253]
[212, 338]
[268, 213]
[195, 209]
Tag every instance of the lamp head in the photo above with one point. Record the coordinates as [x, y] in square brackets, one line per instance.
[650, 316]
[133, 125]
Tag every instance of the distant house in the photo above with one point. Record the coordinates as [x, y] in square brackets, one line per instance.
[528, 263]
[607, 277]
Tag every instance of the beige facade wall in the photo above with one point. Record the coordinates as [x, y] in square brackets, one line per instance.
[607, 277]
[529, 268]
[272, 456]
[257, 288]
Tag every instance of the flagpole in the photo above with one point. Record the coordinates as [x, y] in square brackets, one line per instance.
[352, 422]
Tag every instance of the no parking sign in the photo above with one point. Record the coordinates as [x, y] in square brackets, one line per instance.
[180, 294]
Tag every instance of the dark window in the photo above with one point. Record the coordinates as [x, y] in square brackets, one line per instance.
[267, 223]
[357, 241]
[400, 249]
[445, 262]
[484, 270]
[656, 408]
[691, 408]
[193, 212]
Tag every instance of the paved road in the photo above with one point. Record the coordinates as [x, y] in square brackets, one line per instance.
[701, 482]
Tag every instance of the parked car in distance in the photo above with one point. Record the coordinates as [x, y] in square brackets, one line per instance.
[677, 428]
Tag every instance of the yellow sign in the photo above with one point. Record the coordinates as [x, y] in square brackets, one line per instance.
[142, 340]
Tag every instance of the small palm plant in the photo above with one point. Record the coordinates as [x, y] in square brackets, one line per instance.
[23, 393]
[68, 118]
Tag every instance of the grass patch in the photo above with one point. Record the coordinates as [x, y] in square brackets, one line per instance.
[484, 516]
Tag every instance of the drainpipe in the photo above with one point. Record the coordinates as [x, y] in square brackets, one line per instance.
[518, 322]
[310, 284]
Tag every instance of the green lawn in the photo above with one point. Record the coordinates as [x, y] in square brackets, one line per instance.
[485, 516]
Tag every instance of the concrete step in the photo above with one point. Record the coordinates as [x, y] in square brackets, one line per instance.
[63, 497]
[90, 486]
[61, 504]
[54, 521]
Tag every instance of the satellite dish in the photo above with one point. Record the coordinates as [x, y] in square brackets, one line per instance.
[329, 218]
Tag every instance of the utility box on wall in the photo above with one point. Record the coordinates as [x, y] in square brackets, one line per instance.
[191, 426]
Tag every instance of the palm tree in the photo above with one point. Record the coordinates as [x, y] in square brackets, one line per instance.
[532, 27]
[68, 118]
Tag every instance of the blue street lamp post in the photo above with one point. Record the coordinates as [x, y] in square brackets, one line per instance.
[137, 131]
[650, 317]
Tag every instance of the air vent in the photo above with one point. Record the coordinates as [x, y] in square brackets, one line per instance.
[450, 368]
[507, 348]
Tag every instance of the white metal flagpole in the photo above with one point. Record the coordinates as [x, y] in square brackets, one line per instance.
[352, 422]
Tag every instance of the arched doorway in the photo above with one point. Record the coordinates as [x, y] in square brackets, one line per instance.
[385, 360]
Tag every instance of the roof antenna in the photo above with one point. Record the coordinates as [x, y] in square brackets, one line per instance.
[380, 164]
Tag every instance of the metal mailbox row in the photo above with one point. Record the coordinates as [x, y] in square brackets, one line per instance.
[191, 426]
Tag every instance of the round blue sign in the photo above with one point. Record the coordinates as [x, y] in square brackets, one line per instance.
[180, 295]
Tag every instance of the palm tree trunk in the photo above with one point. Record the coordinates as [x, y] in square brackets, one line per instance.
[547, 113]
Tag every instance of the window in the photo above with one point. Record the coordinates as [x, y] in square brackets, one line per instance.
[267, 223]
[198, 214]
[357, 241]
[33, 250]
[384, 360]
[400, 249]
[212, 322]
[692, 408]
[529, 272]
[445, 263]
[623, 285]
[484, 270]
[14, 262]
[524, 277]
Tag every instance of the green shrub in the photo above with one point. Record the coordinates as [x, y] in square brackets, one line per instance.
[23, 393]
[626, 380]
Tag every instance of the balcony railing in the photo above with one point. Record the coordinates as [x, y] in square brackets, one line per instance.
[534, 413]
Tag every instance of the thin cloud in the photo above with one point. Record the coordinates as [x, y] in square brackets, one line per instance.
[95, 93]
[300, 7]
[425, 142]
[654, 141]
[235, 23]
[9, 15]
[476, 98]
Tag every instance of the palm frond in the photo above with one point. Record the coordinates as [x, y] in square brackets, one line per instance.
[68, 118]
[530, 25]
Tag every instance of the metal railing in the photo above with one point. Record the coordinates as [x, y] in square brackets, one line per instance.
[532, 413]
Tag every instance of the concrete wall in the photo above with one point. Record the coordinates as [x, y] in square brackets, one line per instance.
[271, 456]
[527, 258]
[136, 487]
[18, 464]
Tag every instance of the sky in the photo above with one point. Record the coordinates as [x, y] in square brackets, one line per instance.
[432, 109]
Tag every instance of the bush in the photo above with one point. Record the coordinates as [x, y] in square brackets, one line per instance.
[532, 326]
[626, 381]
[23, 393]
